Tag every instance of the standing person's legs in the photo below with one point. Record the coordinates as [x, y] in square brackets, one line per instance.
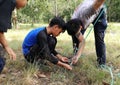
[2, 59]
[99, 33]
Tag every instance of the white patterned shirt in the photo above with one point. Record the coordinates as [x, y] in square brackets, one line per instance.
[86, 13]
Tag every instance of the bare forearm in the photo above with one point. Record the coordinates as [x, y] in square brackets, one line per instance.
[98, 3]
[4, 43]
[78, 54]
[64, 65]
[81, 47]
[3, 40]
[59, 56]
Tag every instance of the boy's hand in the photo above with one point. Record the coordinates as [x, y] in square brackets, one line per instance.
[61, 58]
[68, 67]
[75, 60]
[11, 53]
[64, 59]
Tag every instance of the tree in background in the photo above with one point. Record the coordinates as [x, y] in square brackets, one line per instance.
[38, 11]
[113, 10]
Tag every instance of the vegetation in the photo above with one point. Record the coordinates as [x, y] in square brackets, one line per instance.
[43, 10]
[85, 72]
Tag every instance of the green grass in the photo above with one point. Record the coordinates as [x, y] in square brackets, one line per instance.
[84, 73]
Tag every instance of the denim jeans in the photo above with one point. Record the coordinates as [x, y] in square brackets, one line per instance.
[2, 59]
[99, 34]
[2, 64]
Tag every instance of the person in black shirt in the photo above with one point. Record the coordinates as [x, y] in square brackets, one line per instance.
[6, 8]
[40, 44]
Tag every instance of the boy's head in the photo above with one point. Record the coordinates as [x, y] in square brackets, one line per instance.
[58, 25]
[73, 26]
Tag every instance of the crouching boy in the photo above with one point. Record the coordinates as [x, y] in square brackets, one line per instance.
[40, 43]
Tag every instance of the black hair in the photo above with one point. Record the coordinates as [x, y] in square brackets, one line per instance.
[73, 26]
[58, 21]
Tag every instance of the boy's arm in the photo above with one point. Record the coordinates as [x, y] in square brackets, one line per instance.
[80, 49]
[63, 59]
[87, 9]
[64, 65]
[98, 3]
[45, 50]
[42, 39]
[4, 43]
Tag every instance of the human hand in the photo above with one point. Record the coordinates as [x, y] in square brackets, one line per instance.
[68, 67]
[75, 60]
[64, 59]
[11, 53]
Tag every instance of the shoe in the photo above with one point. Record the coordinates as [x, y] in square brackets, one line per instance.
[100, 65]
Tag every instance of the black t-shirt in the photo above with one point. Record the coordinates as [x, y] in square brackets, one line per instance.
[6, 8]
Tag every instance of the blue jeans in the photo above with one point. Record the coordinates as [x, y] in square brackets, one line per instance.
[2, 64]
[99, 34]
[2, 59]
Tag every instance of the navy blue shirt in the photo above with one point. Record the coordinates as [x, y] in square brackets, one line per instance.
[6, 8]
